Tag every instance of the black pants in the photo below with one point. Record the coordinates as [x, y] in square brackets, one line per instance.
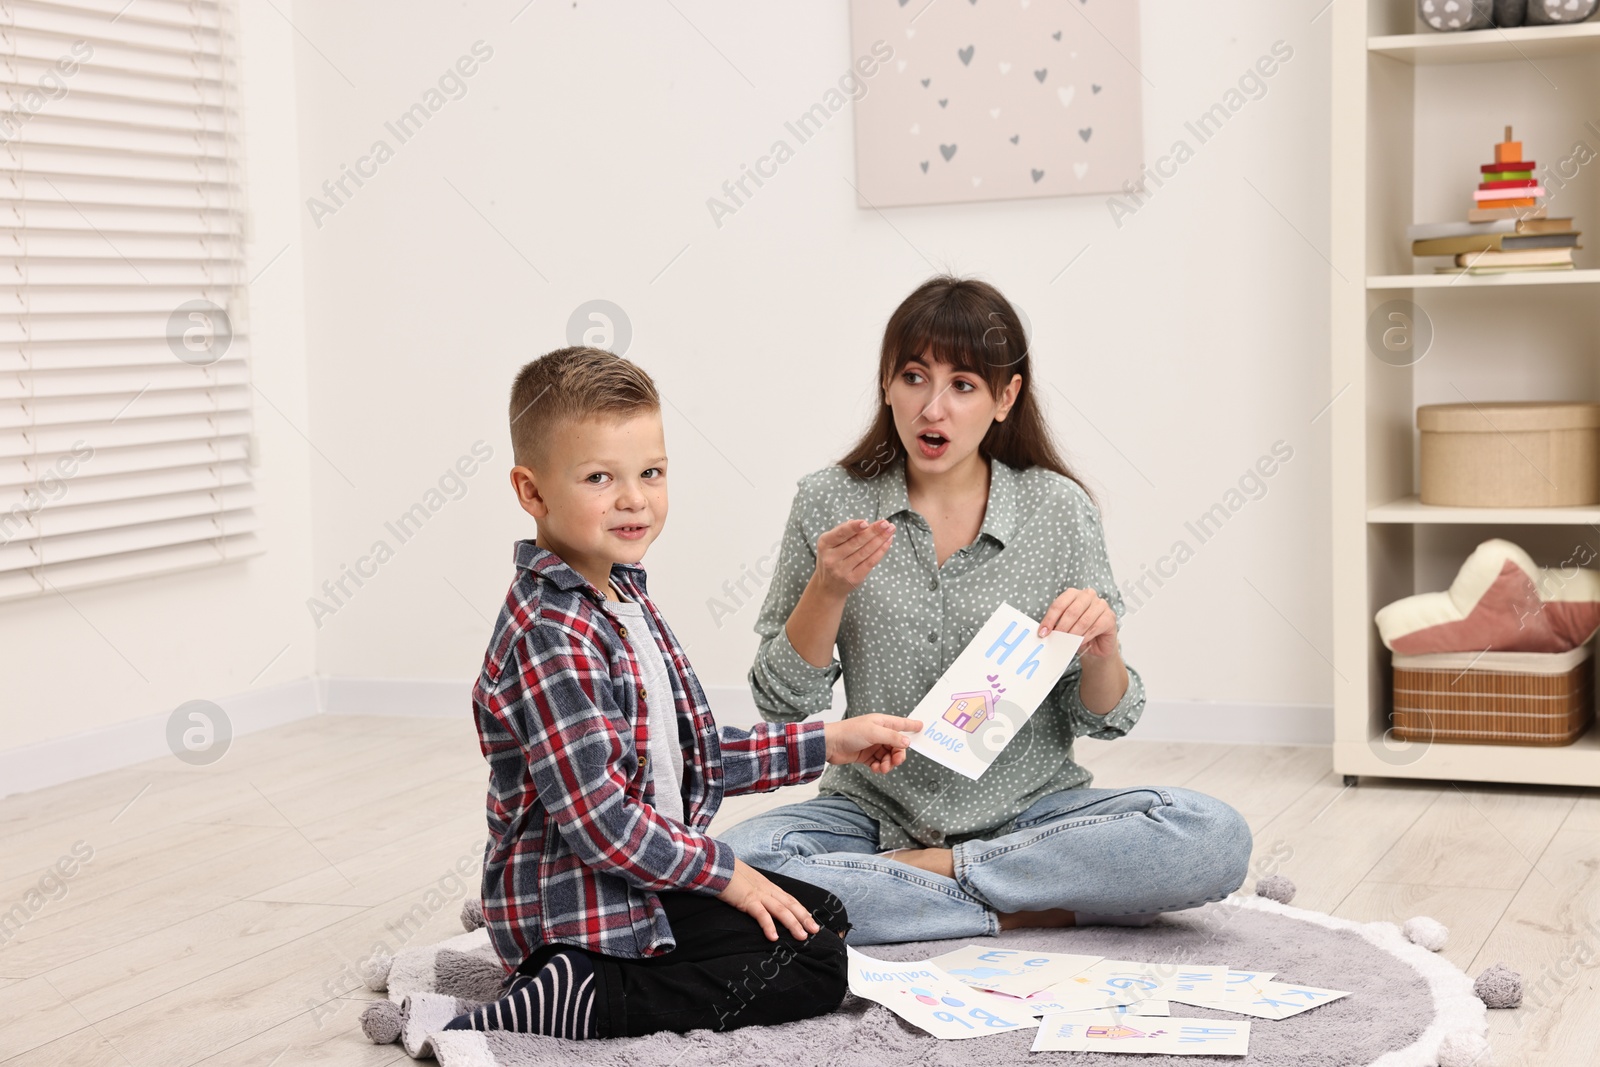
[724, 974]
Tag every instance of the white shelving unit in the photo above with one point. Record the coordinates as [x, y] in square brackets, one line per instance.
[1414, 114]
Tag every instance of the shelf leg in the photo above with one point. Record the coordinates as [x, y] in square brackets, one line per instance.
[1350, 780]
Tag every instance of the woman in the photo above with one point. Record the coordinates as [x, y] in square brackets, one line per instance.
[954, 502]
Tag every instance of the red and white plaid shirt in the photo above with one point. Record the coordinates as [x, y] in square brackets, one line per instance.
[576, 848]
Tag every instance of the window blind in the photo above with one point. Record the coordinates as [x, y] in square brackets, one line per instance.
[125, 414]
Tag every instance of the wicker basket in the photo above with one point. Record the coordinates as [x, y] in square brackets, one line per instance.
[1494, 698]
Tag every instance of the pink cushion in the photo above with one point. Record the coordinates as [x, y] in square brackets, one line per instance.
[1499, 602]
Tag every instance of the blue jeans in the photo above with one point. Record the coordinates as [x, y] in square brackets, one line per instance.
[1099, 851]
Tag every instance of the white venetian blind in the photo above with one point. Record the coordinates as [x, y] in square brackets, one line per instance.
[124, 379]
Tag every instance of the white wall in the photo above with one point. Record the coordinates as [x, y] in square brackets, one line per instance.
[1189, 340]
[577, 166]
[125, 653]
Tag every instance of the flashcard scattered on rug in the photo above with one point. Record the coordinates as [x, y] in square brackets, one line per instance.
[1071, 997]
[1239, 986]
[1047, 1002]
[1138, 1007]
[1171, 981]
[990, 691]
[1272, 1000]
[1012, 971]
[925, 996]
[1168, 1037]
[1244, 985]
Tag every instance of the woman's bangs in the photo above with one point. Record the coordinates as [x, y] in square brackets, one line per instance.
[944, 335]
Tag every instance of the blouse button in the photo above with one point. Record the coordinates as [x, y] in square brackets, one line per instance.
[622, 631]
[933, 636]
[643, 693]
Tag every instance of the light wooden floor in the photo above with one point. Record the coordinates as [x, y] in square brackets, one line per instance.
[223, 907]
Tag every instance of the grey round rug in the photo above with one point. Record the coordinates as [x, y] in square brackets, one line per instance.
[1404, 1002]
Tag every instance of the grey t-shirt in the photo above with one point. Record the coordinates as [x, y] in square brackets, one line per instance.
[661, 723]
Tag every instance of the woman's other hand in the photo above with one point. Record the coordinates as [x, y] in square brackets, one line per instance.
[847, 553]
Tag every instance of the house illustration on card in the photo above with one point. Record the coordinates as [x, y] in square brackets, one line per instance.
[1118, 1032]
[968, 711]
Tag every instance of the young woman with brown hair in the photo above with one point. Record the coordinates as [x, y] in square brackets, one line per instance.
[954, 501]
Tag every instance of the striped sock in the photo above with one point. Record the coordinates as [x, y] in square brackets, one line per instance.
[556, 1002]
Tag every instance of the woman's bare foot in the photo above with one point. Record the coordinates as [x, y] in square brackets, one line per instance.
[940, 861]
[1052, 919]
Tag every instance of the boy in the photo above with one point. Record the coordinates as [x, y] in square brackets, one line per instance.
[614, 911]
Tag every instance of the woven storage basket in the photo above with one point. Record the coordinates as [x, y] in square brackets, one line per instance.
[1494, 698]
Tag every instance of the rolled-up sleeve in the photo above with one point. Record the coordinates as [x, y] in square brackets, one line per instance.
[772, 755]
[785, 686]
[1114, 723]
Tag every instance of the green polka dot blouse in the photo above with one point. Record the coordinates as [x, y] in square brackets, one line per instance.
[910, 619]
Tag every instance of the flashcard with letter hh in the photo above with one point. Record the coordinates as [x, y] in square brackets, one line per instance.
[1012, 971]
[990, 691]
[925, 996]
[1168, 1037]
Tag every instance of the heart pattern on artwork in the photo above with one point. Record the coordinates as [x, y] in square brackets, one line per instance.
[990, 81]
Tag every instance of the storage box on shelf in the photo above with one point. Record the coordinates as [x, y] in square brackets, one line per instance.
[1412, 112]
[1526, 455]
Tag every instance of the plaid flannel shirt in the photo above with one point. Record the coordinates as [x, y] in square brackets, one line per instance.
[576, 848]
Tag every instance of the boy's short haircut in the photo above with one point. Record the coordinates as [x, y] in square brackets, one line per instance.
[570, 384]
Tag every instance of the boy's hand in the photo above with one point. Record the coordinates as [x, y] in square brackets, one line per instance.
[879, 741]
[758, 897]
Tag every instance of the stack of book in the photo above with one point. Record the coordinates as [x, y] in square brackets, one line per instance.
[1507, 230]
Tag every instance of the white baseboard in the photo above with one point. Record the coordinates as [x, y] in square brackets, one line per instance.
[1236, 724]
[387, 696]
[65, 759]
